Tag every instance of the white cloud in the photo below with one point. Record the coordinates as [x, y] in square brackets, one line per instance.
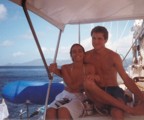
[6, 43]
[64, 51]
[28, 36]
[44, 49]
[47, 50]
[3, 12]
[122, 45]
[18, 54]
[87, 44]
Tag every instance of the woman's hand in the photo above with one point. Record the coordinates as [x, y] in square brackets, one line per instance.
[53, 67]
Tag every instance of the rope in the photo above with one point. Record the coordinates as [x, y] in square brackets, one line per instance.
[129, 51]
[133, 44]
[79, 35]
[117, 30]
[124, 29]
[110, 27]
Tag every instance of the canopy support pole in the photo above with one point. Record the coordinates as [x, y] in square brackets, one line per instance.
[41, 53]
[49, 87]
[35, 37]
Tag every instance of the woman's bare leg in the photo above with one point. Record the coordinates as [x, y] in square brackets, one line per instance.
[51, 114]
[64, 114]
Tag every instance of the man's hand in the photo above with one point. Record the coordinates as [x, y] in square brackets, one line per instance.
[92, 77]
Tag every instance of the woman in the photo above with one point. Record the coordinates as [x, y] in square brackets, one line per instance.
[68, 104]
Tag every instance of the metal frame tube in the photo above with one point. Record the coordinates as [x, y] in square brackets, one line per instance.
[35, 38]
[49, 87]
[41, 52]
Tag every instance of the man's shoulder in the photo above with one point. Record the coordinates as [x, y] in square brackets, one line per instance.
[112, 53]
[88, 56]
[89, 51]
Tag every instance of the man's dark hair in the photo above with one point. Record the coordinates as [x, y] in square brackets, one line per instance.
[100, 29]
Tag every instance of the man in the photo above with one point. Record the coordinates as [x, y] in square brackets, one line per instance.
[107, 64]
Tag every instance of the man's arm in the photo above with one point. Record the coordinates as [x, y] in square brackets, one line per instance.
[127, 80]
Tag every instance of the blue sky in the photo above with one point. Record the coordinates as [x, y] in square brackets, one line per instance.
[17, 44]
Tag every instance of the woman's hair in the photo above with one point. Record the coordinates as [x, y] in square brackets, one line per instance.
[100, 29]
[76, 44]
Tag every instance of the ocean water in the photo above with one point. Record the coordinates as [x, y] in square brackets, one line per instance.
[18, 73]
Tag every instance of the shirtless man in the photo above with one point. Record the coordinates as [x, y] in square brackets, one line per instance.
[107, 64]
[68, 104]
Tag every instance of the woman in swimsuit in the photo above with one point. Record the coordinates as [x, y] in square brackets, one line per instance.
[68, 104]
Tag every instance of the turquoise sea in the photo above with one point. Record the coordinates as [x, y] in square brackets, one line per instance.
[17, 73]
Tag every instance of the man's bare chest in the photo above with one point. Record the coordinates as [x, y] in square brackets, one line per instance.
[103, 64]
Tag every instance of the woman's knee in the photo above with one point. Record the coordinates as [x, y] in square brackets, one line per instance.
[51, 113]
[63, 113]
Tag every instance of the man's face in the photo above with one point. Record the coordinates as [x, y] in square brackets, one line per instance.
[98, 40]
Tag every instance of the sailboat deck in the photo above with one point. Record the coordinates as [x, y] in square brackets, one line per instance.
[99, 117]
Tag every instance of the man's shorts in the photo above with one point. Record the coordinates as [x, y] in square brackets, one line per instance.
[117, 93]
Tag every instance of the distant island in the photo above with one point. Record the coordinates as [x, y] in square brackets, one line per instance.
[38, 62]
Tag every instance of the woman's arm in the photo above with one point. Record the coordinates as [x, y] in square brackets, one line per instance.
[54, 69]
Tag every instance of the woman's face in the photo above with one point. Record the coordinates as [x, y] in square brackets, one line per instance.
[77, 53]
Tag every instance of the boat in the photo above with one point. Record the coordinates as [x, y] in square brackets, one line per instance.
[136, 70]
[65, 12]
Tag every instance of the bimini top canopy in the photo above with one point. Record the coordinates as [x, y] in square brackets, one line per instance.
[62, 12]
